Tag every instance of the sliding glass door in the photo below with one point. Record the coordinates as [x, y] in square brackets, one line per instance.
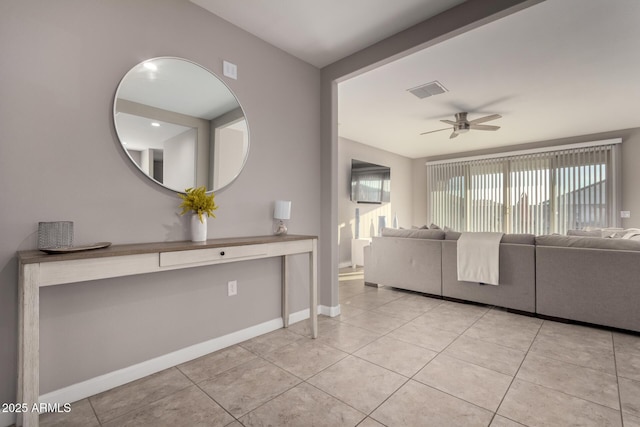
[537, 193]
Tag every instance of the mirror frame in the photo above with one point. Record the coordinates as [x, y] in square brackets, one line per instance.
[122, 145]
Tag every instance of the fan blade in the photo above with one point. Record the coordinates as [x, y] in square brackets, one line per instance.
[449, 122]
[483, 127]
[485, 119]
[432, 131]
[453, 135]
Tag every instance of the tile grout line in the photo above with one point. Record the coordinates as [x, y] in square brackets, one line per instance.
[259, 356]
[411, 378]
[217, 403]
[582, 367]
[461, 334]
[516, 374]
[219, 373]
[494, 413]
[94, 411]
[367, 415]
[438, 353]
[615, 364]
[304, 381]
[148, 403]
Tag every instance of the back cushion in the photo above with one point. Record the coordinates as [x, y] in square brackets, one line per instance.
[413, 233]
[518, 239]
[588, 242]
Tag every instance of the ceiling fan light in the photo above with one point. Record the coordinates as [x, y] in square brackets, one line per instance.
[462, 130]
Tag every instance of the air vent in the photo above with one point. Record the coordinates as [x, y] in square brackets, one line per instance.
[427, 90]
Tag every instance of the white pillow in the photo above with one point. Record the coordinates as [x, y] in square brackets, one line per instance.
[613, 232]
[631, 232]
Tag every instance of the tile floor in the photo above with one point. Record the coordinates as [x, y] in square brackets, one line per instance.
[392, 358]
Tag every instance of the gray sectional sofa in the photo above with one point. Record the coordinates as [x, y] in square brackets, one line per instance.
[589, 279]
[585, 279]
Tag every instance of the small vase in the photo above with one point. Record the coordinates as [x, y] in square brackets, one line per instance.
[198, 229]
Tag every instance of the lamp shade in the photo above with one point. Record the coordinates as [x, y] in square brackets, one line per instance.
[282, 209]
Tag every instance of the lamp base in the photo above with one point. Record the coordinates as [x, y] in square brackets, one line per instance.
[280, 229]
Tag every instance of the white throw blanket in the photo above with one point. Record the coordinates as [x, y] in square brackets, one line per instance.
[479, 257]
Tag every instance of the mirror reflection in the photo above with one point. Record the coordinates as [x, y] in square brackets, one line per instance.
[181, 125]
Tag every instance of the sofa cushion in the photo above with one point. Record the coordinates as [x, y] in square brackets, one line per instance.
[609, 232]
[584, 233]
[518, 239]
[588, 242]
[413, 233]
[452, 235]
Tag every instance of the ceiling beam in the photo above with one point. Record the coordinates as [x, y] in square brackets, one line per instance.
[450, 23]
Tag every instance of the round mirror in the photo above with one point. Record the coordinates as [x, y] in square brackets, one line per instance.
[181, 125]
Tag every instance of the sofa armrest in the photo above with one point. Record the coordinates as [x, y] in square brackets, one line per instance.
[406, 263]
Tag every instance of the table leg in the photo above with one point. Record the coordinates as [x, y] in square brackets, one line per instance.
[29, 342]
[313, 288]
[285, 292]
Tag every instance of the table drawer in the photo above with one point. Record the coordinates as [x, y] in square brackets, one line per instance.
[211, 255]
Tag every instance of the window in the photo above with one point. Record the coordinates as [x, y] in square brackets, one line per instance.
[527, 192]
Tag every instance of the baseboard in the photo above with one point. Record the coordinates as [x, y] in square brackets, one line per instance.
[329, 311]
[344, 264]
[322, 309]
[96, 385]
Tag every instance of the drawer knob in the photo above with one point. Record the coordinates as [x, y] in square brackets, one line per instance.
[221, 253]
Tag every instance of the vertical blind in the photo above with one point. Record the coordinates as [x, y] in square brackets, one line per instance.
[538, 193]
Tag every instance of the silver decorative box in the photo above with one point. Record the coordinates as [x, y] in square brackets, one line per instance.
[56, 234]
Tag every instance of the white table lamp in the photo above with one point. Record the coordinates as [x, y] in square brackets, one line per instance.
[281, 213]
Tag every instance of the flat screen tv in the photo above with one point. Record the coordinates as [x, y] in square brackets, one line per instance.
[370, 183]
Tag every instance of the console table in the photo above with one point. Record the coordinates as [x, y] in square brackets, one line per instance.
[37, 269]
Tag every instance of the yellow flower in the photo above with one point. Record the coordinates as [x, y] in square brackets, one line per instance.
[198, 201]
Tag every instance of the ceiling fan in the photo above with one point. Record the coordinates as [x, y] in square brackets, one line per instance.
[462, 125]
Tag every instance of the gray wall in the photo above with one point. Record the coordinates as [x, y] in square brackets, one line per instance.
[420, 199]
[60, 160]
[631, 176]
[401, 193]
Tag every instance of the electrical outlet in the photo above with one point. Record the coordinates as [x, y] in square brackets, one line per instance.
[625, 214]
[232, 288]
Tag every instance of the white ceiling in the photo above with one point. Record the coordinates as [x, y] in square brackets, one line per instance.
[321, 32]
[560, 68]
